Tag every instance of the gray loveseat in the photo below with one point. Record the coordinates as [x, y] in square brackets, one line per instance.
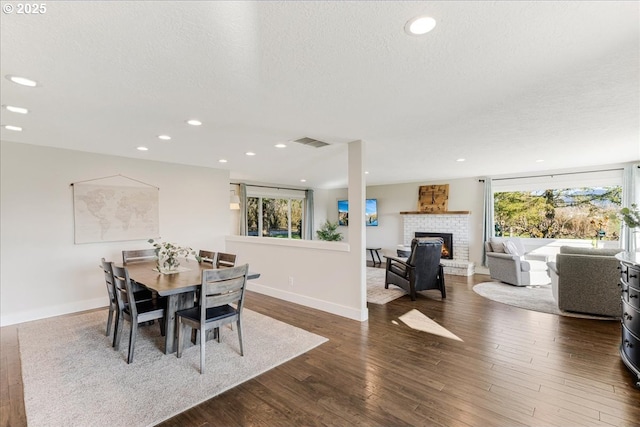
[510, 264]
[585, 280]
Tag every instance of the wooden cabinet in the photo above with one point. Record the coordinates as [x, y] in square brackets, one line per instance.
[630, 282]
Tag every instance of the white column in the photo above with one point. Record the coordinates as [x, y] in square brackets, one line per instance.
[357, 233]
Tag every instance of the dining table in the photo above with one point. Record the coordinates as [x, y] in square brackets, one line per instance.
[178, 287]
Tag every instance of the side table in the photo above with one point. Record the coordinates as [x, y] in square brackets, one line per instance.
[373, 251]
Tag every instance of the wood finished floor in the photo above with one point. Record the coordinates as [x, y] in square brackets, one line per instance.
[514, 368]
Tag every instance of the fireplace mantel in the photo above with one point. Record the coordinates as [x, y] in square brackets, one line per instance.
[436, 213]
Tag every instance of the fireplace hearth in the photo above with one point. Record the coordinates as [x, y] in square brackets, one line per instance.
[447, 247]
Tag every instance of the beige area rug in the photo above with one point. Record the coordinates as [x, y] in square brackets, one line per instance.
[536, 298]
[73, 377]
[376, 293]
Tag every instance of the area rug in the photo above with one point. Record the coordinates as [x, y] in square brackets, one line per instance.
[534, 298]
[73, 377]
[376, 293]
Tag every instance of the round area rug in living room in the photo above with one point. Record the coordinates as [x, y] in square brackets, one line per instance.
[536, 298]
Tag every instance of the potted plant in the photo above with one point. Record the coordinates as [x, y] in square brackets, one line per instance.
[328, 231]
[169, 255]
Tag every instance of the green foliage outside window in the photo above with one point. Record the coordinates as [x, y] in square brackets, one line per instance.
[570, 213]
[274, 221]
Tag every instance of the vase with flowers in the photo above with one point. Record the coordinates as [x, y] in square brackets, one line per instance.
[169, 254]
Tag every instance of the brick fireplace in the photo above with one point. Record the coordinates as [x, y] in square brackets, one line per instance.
[455, 223]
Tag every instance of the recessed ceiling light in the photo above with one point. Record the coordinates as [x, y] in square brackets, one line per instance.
[366, 172]
[194, 122]
[460, 160]
[419, 25]
[539, 161]
[281, 145]
[222, 161]
[22, 80]
[143, 149]
[250, 153]
[164, 137]
[14, 109]
[14, 128]
[303, 180]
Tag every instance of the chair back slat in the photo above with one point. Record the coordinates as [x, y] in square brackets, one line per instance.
[223, 299]
[138, 255]
[225, 260]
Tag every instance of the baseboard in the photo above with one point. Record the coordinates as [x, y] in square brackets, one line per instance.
[329, 307]
[58, 310]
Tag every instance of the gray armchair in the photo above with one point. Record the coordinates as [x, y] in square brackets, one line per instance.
[586, 280]
[509, 263]
[421, 271]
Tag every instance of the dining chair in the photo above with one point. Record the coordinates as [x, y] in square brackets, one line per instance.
[134, 311]
[140, 255]
[220, 289]
[143, 295]
[225, 260]
[113, 304]
[207, 256]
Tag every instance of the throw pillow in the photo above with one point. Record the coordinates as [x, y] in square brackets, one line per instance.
[497, 247]
[510, 248]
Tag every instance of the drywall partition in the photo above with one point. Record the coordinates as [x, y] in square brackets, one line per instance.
[43, 272]
[312, 273]
[329, 276]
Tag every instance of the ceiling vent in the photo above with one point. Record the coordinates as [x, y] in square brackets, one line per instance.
[311, 142]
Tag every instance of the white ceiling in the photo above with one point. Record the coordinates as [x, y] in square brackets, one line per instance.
[501, 84]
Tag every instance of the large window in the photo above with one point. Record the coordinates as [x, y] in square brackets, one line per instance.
[580, 205]
[274, 217]
[569, 213]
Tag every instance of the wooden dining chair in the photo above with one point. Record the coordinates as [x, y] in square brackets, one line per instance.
[219, 290]
[135, 312]
[140, 255]
[207, 256]
[114, 313]
[225, 260]
[111, 292]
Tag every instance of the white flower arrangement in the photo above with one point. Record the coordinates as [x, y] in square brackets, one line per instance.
[169, 255]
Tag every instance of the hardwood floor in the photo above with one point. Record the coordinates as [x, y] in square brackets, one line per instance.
[513, 368]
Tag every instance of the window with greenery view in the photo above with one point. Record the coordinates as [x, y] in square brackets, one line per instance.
[570, 213]
[274, 217]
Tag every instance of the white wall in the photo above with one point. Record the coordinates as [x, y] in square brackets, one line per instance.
[43, 273]
[464, 195]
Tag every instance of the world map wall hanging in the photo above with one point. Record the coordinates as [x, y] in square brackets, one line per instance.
[115, 208]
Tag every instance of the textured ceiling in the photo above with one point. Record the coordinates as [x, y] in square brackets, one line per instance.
[501, 84]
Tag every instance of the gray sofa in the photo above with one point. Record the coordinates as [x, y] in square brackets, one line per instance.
[585, 280]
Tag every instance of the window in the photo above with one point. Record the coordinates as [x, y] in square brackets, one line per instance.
[274, 217]
[569, 213]
[580, 205]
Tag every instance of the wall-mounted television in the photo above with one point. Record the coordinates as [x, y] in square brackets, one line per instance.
[370, 212]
